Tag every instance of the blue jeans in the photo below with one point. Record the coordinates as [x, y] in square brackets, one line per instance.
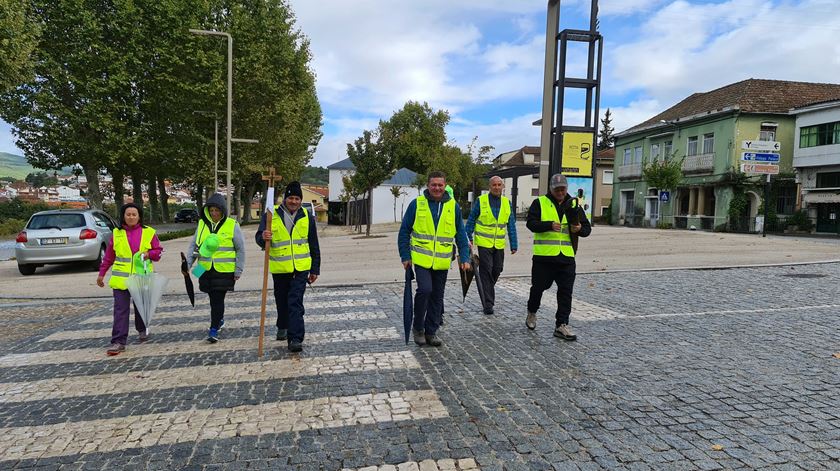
[428, 300]
[288, 295]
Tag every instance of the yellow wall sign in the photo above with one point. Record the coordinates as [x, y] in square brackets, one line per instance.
[578, 153]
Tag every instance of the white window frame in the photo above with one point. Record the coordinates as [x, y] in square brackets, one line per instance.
[654, 152]
[604, 177]
[667, 149]
[638, 154]
[709, 143]
[628, 156]
[688, 145]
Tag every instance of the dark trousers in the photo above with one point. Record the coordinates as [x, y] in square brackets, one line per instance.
[491, 262]
[428, 300]
[217, 307]
[542, 277]
[122, 311]
[288, 295]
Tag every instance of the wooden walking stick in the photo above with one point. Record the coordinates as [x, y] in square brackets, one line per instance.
[271, 178]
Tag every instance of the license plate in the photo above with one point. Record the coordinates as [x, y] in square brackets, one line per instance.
[54, 241]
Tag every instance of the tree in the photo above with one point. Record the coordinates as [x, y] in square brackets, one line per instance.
[605, 134]
[414, 136]
[396, 192]
[39, 179]
[372, 168]
[664, 174]
[18, 39]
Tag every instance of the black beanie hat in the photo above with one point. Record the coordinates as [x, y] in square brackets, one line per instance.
[293, 189]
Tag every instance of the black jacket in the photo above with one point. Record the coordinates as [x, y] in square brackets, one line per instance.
[536, 224]
[314, 248]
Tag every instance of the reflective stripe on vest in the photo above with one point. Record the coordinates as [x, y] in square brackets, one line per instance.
[433, 247]
[123, 267]
[223, 259]
[289, 253]
[552, 243]
[489, 231]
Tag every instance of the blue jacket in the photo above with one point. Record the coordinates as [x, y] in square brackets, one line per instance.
[404, 238]
[314, 248]
[495, 205]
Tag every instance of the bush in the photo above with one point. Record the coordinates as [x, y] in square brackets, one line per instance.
[664, 225]
[12, 226]
[176, 234]
[800, 218]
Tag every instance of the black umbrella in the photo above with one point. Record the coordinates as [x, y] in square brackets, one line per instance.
[476, 267]
[408, 302]
[466, 279]
[187, 280]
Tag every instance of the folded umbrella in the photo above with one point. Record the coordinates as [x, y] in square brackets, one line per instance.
[408, 302]
[466, 279]
[476, 267]
[188, 283]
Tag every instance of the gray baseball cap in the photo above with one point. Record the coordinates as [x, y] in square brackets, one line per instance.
[557, 180]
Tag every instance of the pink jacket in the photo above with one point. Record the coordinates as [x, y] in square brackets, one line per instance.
[134, 235]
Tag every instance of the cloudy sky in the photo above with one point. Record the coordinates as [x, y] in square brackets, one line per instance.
[482, 60]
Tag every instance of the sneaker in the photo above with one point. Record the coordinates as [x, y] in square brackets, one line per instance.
[295, 346]
[221, 324]
[433, 341]
[564, 332]
[489, 312]
[282, 334]
[144, 337]
[419, 337]
[213, 335]
[115, 349]
[531, 320]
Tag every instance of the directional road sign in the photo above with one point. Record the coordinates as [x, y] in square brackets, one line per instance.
[759, 157]
[761, 146]
[763, 169]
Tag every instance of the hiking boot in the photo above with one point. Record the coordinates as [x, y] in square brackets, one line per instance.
[419, 337]
[531, 320]
[282, 334]
[115, 349]
[564, 332]
[295, 346]
[144, 337]
[213, 335]
[433, 341]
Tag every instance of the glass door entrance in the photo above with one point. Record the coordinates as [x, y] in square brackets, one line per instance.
[828, 218]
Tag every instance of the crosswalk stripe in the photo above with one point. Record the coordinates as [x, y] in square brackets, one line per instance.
[204, 311]
[134, 381]
[198, 326]
[462, 464]
[106, 435]
[237, 296]
[52, 357]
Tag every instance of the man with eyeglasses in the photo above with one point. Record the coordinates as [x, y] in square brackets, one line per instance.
[557, 220]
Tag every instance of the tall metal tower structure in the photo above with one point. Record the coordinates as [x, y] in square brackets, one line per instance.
[569, 148]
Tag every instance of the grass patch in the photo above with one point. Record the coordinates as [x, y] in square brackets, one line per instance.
[176, 234]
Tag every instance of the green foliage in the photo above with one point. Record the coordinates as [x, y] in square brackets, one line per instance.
[176, 234]
[664, 225]
[315, 175]
[800, 219]
[372, 168]
[664, 174]
[40, 179]
[18, 209]
[414, 136]
[605, 134]
[18, 39]
[740, 202]
[11, 226]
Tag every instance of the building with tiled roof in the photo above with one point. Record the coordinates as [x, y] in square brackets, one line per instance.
[709, 132]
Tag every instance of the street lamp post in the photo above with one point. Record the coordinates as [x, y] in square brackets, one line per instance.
[229, 100]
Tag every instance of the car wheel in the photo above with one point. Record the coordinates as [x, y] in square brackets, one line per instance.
[96, 263]
[26, 269]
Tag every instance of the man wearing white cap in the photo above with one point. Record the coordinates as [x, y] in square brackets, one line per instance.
[557, 220]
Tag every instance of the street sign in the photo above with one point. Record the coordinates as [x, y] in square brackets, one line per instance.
[759, 157]
[762, 169]
[664, 196]
[773, 146]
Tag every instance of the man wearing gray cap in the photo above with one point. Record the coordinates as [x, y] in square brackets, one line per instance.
[557, 221]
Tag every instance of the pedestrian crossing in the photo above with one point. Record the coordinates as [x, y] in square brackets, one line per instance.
[281, 393]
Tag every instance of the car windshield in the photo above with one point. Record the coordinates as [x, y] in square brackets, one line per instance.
[56, 221]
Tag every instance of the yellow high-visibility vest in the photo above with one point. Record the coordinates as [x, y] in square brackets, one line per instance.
[123, 267]
[223, 259]
[489, 231]
[553, 243]
[289, 252]
[433, 248]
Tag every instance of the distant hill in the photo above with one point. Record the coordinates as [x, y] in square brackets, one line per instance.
[315, 176]
[16, 166]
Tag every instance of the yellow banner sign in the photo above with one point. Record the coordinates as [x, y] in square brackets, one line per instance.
[578, 152]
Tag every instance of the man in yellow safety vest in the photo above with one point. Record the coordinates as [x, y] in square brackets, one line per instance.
[431, 227]
[557, 221]
[492, 218]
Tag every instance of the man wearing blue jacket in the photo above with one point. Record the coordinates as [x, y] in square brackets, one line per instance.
[294, 260]
[491, 219]
[431, 227]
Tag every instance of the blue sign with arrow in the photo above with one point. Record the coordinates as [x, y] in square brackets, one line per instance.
[760, 157]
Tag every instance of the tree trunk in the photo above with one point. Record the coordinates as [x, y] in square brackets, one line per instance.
[199, 196]
[153, 199]
[137, 189]
[250, 191]
[164, 199]
[369, 210]
[119, 191]
[94, 196]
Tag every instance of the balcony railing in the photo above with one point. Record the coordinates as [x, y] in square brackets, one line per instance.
[630, 171]
[699, 163]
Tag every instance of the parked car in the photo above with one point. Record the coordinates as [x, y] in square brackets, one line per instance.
[63, 236]
[310, 208]
[186, 215]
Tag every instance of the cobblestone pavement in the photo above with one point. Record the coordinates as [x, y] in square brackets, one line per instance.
[711, 369]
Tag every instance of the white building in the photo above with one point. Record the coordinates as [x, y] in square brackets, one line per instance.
[816, 158]
[65, 193]
[523, 165]
[385, 207]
